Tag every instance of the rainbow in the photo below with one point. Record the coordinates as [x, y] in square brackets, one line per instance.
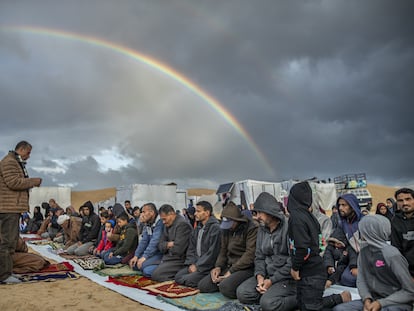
[155, 64]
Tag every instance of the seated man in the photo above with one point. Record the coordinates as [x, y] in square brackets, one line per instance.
[272, 285]
[173, 244]
[383, 282]
[147, 255]
[235, 262]
[203, 249]
[89, 231]
[128, 240]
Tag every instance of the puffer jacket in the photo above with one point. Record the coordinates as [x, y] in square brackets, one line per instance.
[14, 187]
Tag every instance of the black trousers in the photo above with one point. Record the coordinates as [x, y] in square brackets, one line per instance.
[9, 234]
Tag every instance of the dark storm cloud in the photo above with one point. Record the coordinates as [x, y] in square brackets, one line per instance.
[322, 87]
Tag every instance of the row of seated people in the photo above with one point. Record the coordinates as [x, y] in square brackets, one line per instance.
[236, 256]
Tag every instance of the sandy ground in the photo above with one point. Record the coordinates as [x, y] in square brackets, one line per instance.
[83, 294]
[75, 295]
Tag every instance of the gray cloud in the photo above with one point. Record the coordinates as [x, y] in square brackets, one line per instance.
[323, 88]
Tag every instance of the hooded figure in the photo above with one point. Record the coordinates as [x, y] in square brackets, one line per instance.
[305, 238]
[349, 225]
[383, 280]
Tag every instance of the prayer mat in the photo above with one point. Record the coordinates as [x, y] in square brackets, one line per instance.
[201, 301]
[236, 306]
[123, 270]
[90, 263]
[39, 242]
[30, 239]
[70, 257]
[47, 277]
[56, 267]
[171, 289]
[136, 281]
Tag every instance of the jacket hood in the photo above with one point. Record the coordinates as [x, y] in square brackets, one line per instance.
[339, 237]
[375, 230]
[353, 202]
[300, 197]
[267, 203]
[89, 205]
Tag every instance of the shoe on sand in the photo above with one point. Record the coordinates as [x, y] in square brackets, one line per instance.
[11, 280]
[346, 296]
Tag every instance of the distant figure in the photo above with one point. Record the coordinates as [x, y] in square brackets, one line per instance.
[383, 210]
[14, 200]
[384, 282]
[391, 205]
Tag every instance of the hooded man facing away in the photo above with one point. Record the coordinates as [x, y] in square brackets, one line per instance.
[91, 223]
[384, 282]
[272, 285]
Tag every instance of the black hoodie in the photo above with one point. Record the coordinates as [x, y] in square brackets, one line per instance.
[304, 232]
[90, 224]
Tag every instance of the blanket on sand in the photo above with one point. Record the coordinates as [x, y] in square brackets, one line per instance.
[171, 289]
[201, 301]
[135, 281]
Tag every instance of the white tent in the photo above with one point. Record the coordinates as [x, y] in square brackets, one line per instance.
[139, 194]
[62, 196]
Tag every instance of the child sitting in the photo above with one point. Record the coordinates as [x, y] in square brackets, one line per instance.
[128, 241]
[336, 257]
[104, 243]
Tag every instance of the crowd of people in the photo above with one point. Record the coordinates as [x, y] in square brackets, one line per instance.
[276, 257]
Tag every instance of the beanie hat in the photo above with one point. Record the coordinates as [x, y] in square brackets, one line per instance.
[112, 222]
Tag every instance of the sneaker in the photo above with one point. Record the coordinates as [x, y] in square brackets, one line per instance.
[11, 280]
[346, 296]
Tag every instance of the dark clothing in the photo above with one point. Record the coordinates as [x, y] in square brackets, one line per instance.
[304, 233]
[228, 286]
[128, 241]
[90, 225]
[402, 237]
[202, 252]
[310, 291]
[173, 258]
[238, 248]
[9, 233]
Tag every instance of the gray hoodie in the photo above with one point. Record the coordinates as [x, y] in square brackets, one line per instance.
[383, 273]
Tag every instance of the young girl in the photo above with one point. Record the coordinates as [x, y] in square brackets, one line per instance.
[104, 243]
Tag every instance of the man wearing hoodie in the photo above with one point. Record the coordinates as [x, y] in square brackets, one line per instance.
[89, 231]
[272, 285]
[350, 215]
[384, 282]
[203, 249]
[235, 262]
[402, 226]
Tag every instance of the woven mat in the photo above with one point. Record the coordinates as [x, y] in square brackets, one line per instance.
[171, 289]
[56, 267]
[201, 301]
[47, 277]
[135, 281]
[117, 270]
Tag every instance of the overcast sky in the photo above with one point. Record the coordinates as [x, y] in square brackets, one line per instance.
[322, 88]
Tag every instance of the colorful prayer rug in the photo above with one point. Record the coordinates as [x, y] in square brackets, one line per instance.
[115, 271]
[90, 263]
[29, 239]
[171, 289]
[201, 301]
[47, 277]
[56, 267]
[136, 281]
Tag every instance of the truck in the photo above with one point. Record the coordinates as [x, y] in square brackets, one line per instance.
[355, 184]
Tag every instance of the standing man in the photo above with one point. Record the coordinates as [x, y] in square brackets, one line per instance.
[402, 226]
[14, 199]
